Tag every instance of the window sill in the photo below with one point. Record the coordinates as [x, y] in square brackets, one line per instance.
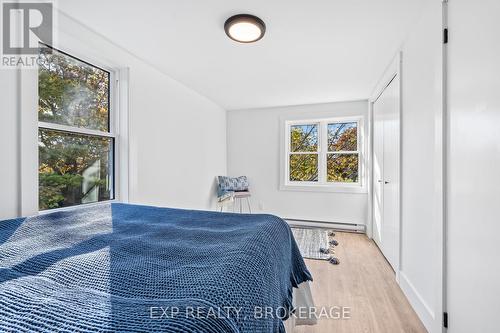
[75, 207]
[355, 189]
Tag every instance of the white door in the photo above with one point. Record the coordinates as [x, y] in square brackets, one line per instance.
[378, 167]
[386, 172]
[473, 183]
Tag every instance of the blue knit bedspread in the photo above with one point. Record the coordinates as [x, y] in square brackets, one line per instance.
[130, 268]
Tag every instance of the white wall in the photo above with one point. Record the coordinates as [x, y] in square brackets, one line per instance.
[421, 229]
[177, 143]
[9, 192]
[253, 138]
[474, 167]
[177, 137]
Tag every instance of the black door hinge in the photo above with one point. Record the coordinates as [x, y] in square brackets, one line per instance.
[445, 319]
[445, 36]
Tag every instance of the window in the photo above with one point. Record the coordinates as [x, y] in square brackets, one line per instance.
[75, 137]
[304, 152]
[323, 153]
[343, 155]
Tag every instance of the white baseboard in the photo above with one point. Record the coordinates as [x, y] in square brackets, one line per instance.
[328, 225]
[423, 310]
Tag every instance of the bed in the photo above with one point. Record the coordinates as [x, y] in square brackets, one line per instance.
[128, 268]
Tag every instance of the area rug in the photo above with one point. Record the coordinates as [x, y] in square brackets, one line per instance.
[313, 242]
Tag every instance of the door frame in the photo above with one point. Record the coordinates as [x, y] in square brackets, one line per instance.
[392, 74]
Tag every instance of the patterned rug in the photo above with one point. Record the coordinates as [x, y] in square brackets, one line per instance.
[315, 243]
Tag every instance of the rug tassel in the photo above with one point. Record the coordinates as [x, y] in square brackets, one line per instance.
[334, 242]
[333, 261]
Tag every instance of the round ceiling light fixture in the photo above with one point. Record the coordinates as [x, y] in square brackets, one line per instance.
[245, 28]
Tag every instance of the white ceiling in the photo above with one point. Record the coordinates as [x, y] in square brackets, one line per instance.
[313, 52]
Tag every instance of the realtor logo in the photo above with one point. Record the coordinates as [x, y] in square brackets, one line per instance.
[24, 25]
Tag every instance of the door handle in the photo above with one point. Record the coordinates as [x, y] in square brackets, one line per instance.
[386, 182]
[380, 180]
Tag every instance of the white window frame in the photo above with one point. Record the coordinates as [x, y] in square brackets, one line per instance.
[322, 184]
[118, 129]
[27, 118]
[90, 132]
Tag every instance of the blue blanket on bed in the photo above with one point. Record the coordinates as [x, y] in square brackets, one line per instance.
[129, 268]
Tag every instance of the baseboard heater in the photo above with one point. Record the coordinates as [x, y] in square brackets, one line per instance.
[351, 227]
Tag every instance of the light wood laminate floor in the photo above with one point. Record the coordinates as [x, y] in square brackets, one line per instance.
[366, 284]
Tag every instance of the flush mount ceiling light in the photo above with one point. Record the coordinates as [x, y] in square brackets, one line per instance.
[245, 28]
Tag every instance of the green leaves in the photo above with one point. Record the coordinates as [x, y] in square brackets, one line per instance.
[342, 137]
[53, 186]
[304, 167]
[66, 162]
[341, 160]
[73, 168]
[304, 138]
[342, 168]
[72, 92]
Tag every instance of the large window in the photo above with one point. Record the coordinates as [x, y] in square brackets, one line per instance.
[75, 137]
[323, 153]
